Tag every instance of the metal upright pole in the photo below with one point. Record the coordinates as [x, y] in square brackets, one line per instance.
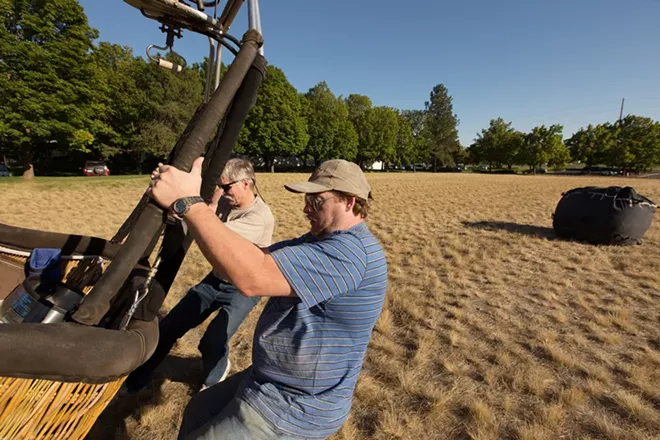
[254, 19]
[209, 71]
[218, 65]
[252, 16]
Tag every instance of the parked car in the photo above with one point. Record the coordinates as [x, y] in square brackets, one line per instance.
[4, 171]
[96, 168]
[601, 171]
[422, 167]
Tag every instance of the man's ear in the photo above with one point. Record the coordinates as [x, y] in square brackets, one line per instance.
[350, 202]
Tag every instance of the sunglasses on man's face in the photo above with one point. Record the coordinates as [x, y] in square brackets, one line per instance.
[315, 202]
[227, 186]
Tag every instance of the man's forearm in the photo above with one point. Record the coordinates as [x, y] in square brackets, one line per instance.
[245, 265]
[229, 253]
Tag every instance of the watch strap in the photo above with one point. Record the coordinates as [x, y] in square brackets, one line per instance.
[182, 205]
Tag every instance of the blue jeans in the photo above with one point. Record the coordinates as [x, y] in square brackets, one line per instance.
[200, 302]
[217, 414]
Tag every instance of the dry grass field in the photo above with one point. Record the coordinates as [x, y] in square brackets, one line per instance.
[492, 328]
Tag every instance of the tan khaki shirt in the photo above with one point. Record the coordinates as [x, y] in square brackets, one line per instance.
[254, 222]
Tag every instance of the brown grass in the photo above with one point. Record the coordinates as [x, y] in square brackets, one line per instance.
[491, 329]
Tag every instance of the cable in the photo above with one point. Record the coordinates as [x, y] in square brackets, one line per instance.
[233, 39]
[229, 47]
[202, 4]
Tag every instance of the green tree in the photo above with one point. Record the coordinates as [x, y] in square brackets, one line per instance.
[637, 145]
[474, 155]
[419, 150]
[124, 104]
[559, 155]
[544, 145]
[171, 100]
[498, 144]
[441, 127]
[592, 145]
[460, 155]
[385, 133]
[361, 115]
[275, 126]
[47, 78]
[331, 134]
[346, 139]
[406, 151]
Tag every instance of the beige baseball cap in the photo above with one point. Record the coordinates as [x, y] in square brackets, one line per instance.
[338, 175]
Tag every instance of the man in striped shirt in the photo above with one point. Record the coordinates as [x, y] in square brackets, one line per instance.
[326, 292]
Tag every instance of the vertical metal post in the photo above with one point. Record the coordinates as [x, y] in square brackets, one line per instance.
[218, 66]
[252, 16]
[209, 71]
[254, 19]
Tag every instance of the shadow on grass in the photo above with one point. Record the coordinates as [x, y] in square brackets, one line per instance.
[516, 228]
[181, 369]
[111, 423]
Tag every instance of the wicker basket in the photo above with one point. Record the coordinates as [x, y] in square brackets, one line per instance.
[44, 409]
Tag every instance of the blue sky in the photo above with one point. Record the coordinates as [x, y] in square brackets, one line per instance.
[531, 62]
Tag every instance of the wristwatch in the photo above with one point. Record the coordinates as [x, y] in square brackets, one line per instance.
[182, 206]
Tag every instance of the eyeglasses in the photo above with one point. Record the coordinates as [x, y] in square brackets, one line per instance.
[227, 186]
[315, 203]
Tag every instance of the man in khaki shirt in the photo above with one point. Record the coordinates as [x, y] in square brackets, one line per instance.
[246, 214]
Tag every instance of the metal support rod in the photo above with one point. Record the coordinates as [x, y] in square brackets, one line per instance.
[254, 19]
[258, 9]
[209, 70]
[252, 16]
[218, 66]
[261, 49]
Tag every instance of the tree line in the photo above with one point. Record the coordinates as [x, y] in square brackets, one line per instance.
[631, 144]
[62, 95]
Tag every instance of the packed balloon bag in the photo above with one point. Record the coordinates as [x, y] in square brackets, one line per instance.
[605, 216]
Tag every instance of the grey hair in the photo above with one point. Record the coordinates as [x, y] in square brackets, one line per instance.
[238, 169]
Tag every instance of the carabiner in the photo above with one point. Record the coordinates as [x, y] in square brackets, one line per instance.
[165, 64]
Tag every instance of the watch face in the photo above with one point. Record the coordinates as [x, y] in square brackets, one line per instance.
[179, 206]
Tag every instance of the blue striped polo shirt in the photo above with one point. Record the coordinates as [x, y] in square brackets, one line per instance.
[308, 350]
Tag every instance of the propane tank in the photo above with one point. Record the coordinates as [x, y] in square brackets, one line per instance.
[28, 302]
